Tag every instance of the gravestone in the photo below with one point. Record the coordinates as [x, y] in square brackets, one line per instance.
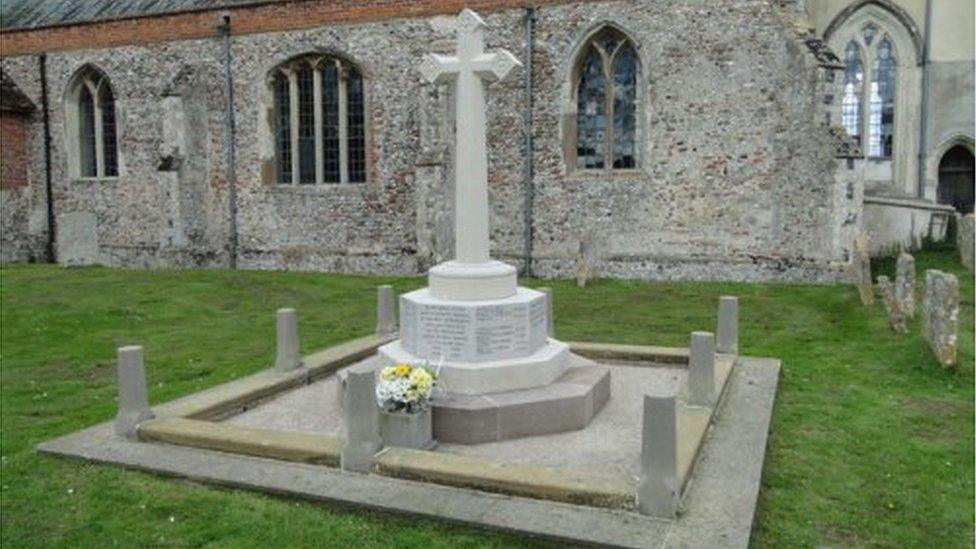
[964, 239]
[940, 314]
[862, 270]
[904, 290]
[896, 316]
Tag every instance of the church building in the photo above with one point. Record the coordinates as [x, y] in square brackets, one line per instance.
[657, 139]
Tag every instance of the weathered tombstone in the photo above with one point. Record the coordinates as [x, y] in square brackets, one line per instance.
[133, 393]
[386, 323]
[895, 316]
[701, 369]
[728, 325]
[862, 270]
[362, 417]
[584, 268]
[550, 326]
[904, 291]
[286, 336]
[658, 490]
[940, 314]
[965, 239]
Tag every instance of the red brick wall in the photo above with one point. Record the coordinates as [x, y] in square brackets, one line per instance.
[285, 15]
[13, 151]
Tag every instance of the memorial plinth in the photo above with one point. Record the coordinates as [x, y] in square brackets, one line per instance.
[503, 375]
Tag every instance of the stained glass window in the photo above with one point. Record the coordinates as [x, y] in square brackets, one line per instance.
[282, 107]
[306, 124]
[625, 108]
[93, 126]
[330, 122]
[340, 106]
[606, 104]
[357, 129]
[591, 113]
[109, 150]
[86, 119]
[853, 89]
[881, 114]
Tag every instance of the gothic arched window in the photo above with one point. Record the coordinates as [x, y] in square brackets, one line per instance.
[853, 90]
[319, 119]
[93, 138]
[606, 103]
[881, 123]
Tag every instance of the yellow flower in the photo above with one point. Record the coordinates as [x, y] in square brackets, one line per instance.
[401, 370]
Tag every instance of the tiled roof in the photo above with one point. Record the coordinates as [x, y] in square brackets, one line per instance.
[28, 14]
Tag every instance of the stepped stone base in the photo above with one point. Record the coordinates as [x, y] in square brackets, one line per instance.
[568, 404]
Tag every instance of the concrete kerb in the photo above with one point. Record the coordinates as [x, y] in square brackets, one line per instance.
[719, 503]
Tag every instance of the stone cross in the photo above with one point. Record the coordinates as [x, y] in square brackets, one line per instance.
[470, 68]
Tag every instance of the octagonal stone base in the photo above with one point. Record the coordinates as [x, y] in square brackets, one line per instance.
[475, 378]
[568, 404]
[488, 330]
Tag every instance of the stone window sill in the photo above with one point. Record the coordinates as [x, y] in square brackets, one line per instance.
[324, 188]
[591, 175]
[80, 180]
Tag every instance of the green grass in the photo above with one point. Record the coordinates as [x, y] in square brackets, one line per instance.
[872, 441]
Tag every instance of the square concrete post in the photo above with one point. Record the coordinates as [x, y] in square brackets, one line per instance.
[286, 332]
[550, 319]
[701, 369]
[728, 325]
[362, 417]
[133, 393]
[386, 322]
[658, 490]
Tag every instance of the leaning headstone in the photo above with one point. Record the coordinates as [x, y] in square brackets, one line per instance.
[895, 315]
[940, 314]
[362, 418]
[550, 322]
[658, 490]
[965, 239]
[286, 336]
[133, 393]
[862, 269]
[386, 323]
[904, 291]
[728, 325]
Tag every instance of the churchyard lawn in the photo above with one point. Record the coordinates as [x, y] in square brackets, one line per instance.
[871, 445]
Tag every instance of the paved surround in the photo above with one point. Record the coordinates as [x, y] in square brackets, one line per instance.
[719, 502]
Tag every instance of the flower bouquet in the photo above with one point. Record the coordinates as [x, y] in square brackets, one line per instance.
[405, 388]
[403, 392]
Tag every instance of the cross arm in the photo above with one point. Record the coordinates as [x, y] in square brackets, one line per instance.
[438, 69]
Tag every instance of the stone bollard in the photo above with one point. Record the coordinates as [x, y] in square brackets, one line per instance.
[728, 325]
[133, 393]
[386, 323]
[940, 315]
[658, 490]
[286, 339]
[550, 320]
[362, 417]
[905, 284]
[701, 369]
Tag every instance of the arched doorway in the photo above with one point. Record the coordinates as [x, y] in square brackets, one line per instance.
[956, 179]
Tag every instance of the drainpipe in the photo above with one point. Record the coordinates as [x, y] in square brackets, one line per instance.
[527, 123]
[230, 147]
[48, 187]
[923, 137]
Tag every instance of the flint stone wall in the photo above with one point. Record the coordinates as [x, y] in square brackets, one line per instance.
[736, 176]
